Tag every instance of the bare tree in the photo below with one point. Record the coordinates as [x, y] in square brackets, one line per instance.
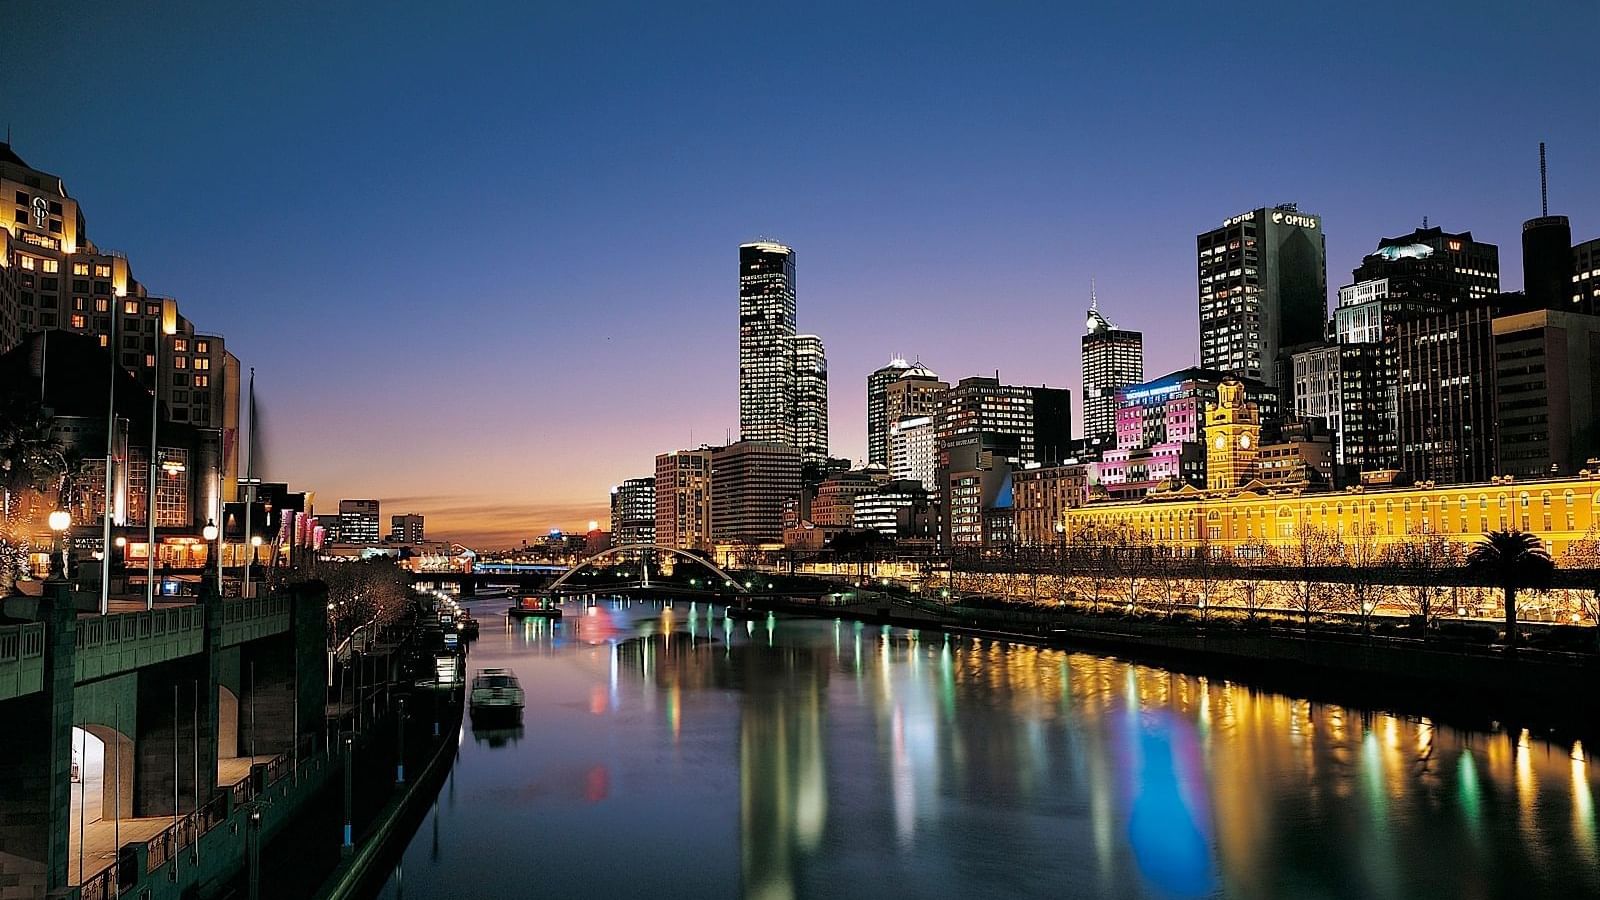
[1089, 559]
[1131, 566]
[1249, 583]
[1584, 555]
[1304, 558]
[1358, 554]
[1421, 559]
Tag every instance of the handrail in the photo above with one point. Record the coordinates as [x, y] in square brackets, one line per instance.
[19, 642]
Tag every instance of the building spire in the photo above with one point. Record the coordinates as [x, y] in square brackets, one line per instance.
[1094, 302]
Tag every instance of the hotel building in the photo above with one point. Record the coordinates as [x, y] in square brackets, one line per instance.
[683, 499]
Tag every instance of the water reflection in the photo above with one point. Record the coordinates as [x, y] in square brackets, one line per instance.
[784, 758]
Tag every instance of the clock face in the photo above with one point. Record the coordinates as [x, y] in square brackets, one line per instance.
[1221, 442]
[1244, 441]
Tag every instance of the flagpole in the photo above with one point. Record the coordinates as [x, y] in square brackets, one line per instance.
[111, 434]
[249, 479]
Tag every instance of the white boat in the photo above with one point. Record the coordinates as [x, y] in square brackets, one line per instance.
[495, 692]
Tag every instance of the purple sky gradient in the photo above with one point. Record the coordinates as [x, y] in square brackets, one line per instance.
[484, 261]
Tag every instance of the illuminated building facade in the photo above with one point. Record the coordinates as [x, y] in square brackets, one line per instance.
[750, 483]
[914, 451]
[976, 489]
[358, 521]
[1040, 498]
[811, 398]
[1161, 431]
[834, 504]
[407, 529]
[1233, 439]
[633, 511]
[1347, 387]
[1560, 511]
[1263, 288]
[768, 410]
[1034, 424]
[1113, 359]
[683, 499]
[52, 277]
[899, 510]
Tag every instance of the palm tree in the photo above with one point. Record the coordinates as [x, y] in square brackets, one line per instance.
[1512, 560]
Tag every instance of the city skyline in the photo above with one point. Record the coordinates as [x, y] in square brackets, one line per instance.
[277, 254]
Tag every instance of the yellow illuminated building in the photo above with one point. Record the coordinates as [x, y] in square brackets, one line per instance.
[1233, 439]
[1558, 510]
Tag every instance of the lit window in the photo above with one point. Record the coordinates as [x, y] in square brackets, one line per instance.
[202, 346]
[27, 263]
[80, 268]
[101, 304]
[201, 381]
[78, 321]
[181, 345]
[101, 271]
[180, 362]
[130, 307]
[149, 360]
[152, 309]
[104, 340]
[202, 363]
[51, 265]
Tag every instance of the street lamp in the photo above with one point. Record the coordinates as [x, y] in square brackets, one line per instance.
[255, 553]
[60, 520]
[210, 533]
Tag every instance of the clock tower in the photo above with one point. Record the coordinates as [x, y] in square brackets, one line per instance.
[1233, 438]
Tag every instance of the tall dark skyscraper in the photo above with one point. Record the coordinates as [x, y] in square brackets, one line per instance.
[1113, 358]
[768, 409]
[877, 420]
[1263, 289]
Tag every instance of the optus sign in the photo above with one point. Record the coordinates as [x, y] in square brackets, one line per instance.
[1297, 220]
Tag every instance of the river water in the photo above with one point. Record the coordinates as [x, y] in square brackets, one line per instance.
[669, 751]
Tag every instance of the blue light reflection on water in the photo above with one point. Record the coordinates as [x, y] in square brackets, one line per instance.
[793, 758]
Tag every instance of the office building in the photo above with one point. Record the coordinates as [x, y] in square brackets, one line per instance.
[976, 489]
[768, 410]
[683, 499]
[1263, 288]
[1113, 358]
[811, 399]
[406, 529]
[1030, 424]
[914, 451]
[834, 504]
[633, 512]
[917, 392]
[1586, 278]
[358, 521]
[1433, 267]
[1041, 496]
[1347, 386]
[899, 510]
[750, 483]
[1546, 374]
[1445, 394]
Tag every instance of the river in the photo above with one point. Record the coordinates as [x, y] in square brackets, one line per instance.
[669, 751]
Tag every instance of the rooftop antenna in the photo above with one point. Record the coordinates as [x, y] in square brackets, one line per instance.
[1544, 186]
[1094, 302]
[1424, 223]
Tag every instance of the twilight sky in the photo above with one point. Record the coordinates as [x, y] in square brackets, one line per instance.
[483, 257]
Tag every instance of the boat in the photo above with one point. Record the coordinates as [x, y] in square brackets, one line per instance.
[495, 694]
[535, 606]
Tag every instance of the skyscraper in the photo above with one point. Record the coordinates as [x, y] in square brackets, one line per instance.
[768, 411]
[358, 521]
[1113, 358]
[406, 529]
[877, 419]
[1431, 266]
[811, 398]
[1263, 289]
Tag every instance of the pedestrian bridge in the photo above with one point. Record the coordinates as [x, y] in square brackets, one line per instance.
[723, 580]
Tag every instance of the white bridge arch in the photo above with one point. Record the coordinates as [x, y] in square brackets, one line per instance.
[589, 561]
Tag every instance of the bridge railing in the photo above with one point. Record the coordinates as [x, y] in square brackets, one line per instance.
[20, 642]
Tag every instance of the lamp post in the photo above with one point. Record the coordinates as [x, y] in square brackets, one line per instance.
[255, 551]
[60, 521]
[210, 533]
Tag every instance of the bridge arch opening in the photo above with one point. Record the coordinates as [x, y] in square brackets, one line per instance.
[102, 776]
[588, 563]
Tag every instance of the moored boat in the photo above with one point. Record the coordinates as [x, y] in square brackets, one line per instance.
[495, 693]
